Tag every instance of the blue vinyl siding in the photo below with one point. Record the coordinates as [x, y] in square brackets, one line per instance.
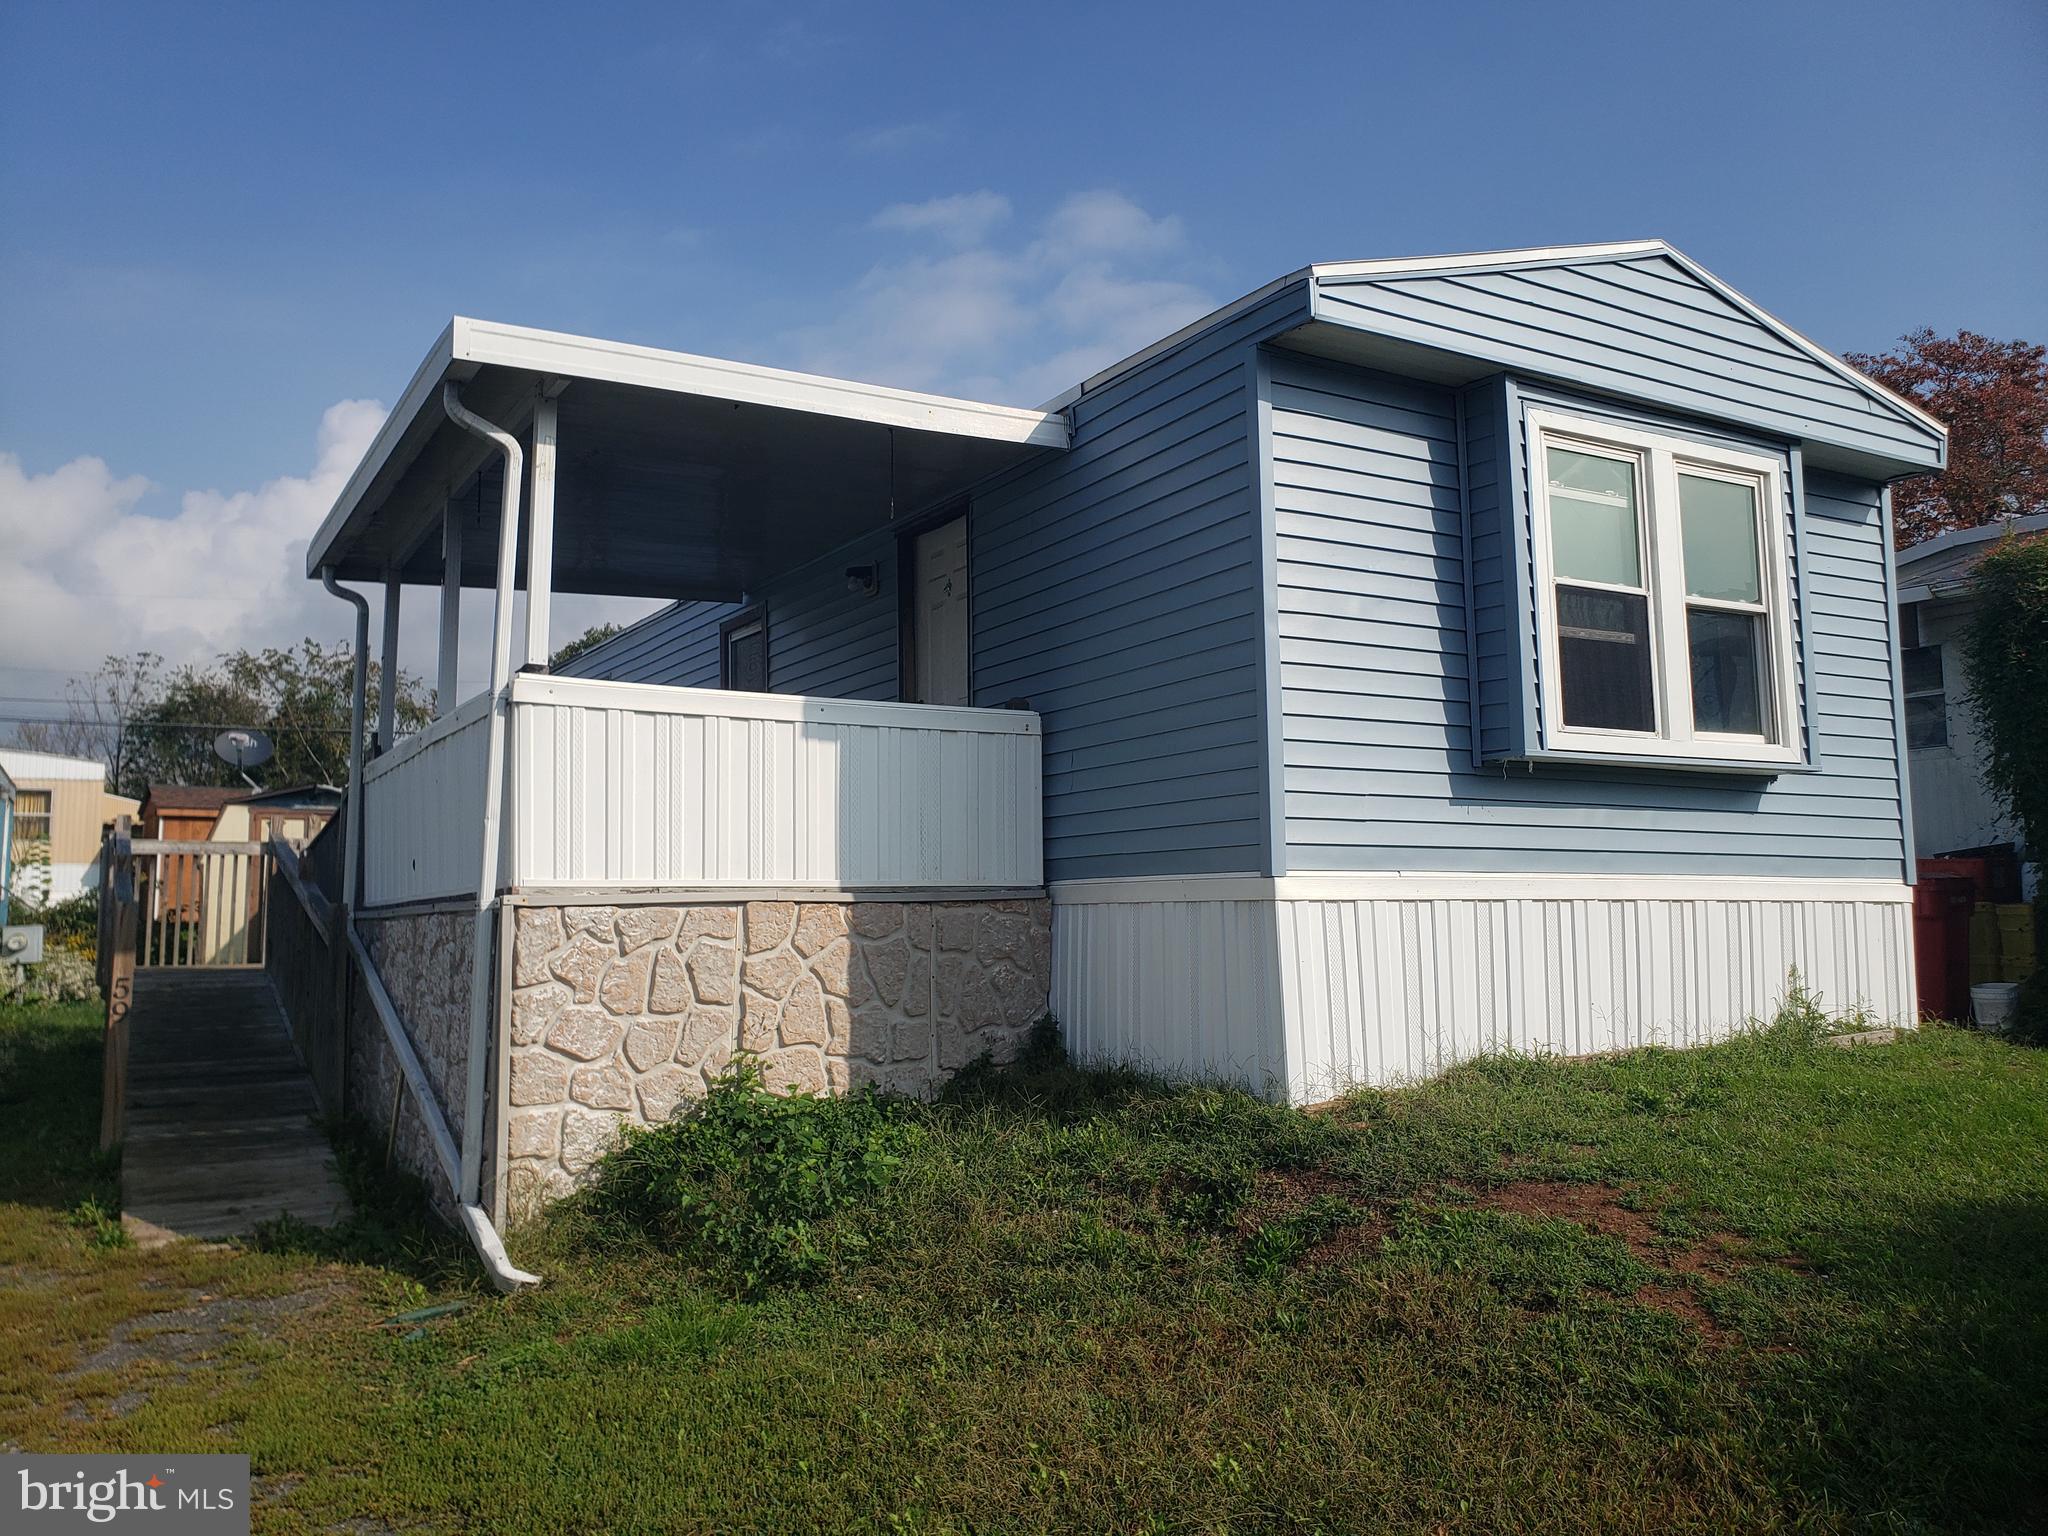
[1117, 590]
[1641, 328]
[1501, 672]
[677, 647]
[1378, 769]
[822, 639]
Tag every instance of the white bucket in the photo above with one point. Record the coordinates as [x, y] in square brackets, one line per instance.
[1992, 1002]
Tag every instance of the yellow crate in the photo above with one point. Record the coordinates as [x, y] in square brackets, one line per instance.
[2016, 957]
[1986, 950]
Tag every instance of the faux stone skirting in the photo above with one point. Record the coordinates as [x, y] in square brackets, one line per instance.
[622, 1014]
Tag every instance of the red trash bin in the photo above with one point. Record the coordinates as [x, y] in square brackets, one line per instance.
[1941, 944]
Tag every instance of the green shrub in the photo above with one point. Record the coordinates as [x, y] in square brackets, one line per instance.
[748, 1184]
[62, 976]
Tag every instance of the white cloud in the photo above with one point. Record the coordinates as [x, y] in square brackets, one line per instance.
[967, 218]
[85, 573]
[958, 310]
[91, 574]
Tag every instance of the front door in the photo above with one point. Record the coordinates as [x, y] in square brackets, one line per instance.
[939, 614]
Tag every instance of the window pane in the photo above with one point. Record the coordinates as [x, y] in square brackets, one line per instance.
[1603, 650]
[1593, 518]
[1927, 721]
[1921, 665]
[1726, 686]
[1720, 538]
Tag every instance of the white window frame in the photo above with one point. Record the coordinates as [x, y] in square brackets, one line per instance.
[1660, 459]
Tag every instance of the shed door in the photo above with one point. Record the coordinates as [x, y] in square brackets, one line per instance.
[939, 617]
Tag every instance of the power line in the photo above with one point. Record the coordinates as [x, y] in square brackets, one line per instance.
[163, 725]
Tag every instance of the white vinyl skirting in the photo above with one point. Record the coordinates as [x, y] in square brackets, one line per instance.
[1310, 984]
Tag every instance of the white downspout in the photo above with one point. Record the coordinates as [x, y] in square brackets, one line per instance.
[481, 1232]
[460, 1168]
[352, 830]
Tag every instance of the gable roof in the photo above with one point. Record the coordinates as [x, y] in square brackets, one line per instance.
[1943, 564]
[1638, 320]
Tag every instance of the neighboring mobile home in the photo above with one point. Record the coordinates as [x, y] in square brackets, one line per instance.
[61, 807]
[1953, 810]
[1409, 659]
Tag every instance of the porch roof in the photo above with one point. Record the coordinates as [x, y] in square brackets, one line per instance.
[677, 476]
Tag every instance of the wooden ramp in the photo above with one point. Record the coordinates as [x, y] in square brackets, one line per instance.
[222, 1129]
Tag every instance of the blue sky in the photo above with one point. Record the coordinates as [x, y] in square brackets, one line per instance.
[218, 222]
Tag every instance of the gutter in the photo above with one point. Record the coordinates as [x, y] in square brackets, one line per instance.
[460, 1167]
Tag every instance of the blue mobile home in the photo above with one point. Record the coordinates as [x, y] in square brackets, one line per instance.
[1409, 659]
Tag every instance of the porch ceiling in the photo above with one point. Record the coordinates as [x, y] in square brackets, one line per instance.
[676, 476]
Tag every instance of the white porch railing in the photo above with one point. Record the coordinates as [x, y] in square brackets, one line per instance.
[627, 785]
[423, 811]
[619, 786]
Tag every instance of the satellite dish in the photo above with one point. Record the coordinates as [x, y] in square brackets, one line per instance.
[242, 750]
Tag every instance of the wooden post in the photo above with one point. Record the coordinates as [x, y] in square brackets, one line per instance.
[120, 989]
[103, 935]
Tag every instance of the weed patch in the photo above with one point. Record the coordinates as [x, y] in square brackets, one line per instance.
[749, 1183]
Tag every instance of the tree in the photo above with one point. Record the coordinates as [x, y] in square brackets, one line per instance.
[1993, 396]
[590, 639]
[2005, 659]
[152, 726]
[98, 709]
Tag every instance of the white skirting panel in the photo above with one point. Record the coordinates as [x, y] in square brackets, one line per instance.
[1191, 987]
[423, 811]
[627, 785]
[1326, 982]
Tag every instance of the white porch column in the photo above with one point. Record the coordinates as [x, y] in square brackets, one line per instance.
[540, 549]
[451, 610]
[387, 684]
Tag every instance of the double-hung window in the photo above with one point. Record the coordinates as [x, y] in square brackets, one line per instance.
[1662, 603]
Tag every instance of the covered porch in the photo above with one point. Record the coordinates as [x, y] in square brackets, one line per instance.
[573, 901]
[530, 463]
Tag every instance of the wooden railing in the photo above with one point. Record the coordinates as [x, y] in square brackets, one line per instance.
[199, 903]
[307, 962]
[117, 938]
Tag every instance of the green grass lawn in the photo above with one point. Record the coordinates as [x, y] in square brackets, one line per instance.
[1770, 1285]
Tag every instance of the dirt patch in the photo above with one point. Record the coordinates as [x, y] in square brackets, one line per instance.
[1345, 1244]
[1280, 1194]
[1599, 1208]
[1685, 1306]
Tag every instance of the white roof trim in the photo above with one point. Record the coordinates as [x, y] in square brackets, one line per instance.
[1394, 266]
[469, 344]
[617, 362]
